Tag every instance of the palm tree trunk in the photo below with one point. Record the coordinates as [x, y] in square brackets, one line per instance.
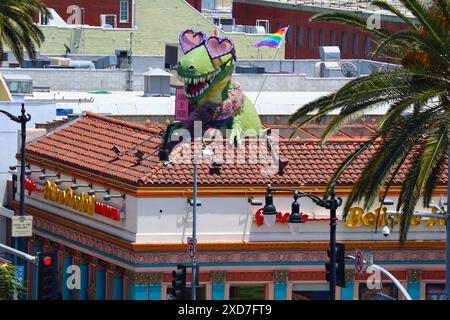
[447, 224]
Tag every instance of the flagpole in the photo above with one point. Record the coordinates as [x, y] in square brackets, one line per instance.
[265, 78]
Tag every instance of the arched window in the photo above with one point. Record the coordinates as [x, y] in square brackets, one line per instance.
[310, 38]
[355, 44]
[344, 42]
[367, 45]
[299, 34]
[332, 38]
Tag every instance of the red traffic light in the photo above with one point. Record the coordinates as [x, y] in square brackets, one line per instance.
[47, 261]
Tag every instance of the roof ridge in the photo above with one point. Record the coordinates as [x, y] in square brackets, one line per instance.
[141, 127]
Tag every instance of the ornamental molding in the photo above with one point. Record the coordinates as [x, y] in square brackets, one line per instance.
[155, 278]
[91, 291]
[218, 277]
[139, 278]
[74, 294]
[280, 276]
[349, 275]
[414, 275]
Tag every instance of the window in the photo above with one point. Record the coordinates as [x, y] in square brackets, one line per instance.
[435, 291]
[344, 42]
[200, 294]
[124, 10]
[321, 38]
[277, 27]
[20, 87]
[108, 19]
[247, 292]
[310, 291]
[299, 41]
[367, 46]
[310, 38]
[388, 289]
[43, 19]
[332, 38]
[289, 37]
[355, 44]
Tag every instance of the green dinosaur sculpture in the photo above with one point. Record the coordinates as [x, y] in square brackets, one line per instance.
[206, 71]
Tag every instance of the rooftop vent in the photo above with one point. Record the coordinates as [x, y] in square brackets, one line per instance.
[156, 83]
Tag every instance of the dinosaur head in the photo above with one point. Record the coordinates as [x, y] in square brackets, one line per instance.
[206, 68]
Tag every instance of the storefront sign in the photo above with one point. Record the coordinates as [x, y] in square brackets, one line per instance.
[83, 203]
[283, 218]
[31, 186]
[358, 218]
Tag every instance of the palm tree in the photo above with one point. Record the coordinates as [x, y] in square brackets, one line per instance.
[9, 287]
[414, 132]
[18, 31]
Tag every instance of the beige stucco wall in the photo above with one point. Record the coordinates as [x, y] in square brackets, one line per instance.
[157, 22]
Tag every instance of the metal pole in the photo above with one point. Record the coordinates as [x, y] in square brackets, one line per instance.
[332, 207]
[194, 232]
[23, 129]
[447, 223]
[18, 253]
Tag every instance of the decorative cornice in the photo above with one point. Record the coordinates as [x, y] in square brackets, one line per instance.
[280, 276]
[349, 275]
[155, 278]
[139, 278]
[414, 275]
[218, 277]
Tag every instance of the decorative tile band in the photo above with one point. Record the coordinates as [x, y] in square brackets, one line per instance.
[137, 258]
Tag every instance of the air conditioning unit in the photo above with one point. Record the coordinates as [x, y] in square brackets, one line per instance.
[108, 20]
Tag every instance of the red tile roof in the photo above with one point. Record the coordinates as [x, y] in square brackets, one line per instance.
[86, 144]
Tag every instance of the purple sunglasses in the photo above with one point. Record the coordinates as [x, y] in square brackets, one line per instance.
[216, 47]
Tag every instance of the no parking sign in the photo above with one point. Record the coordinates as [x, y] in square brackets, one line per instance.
[359, 262]
[192, 247]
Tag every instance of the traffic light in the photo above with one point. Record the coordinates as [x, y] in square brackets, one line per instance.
[47, 273]
[340, 266]
[179, 282]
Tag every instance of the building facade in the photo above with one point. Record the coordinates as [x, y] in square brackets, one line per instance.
[117, 13]
[111, 210]
[304, 37]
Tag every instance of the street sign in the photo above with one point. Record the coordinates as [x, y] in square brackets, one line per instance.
[192, 247]
[22, 226]
[359, 262]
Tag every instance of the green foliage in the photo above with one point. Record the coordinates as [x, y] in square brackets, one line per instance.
[415, 130]
[18, 31]
[9, 287]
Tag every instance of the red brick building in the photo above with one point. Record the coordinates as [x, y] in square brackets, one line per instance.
[305, 37]
[118, 13]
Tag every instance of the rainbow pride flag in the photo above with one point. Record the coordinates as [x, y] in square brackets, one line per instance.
[274, 40]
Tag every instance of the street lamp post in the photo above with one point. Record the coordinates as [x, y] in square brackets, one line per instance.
[22, 119]
[331, 203]
[194, 233]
